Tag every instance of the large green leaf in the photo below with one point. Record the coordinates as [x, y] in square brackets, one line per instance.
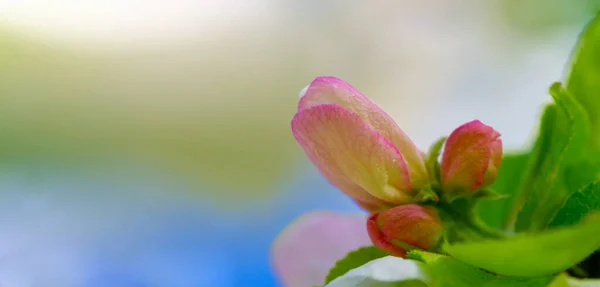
[353, 260]
[530, 255]
[493, 212]
[578, 205]
[536, 164]
[563, 135]
[446, 271]
[583, 80]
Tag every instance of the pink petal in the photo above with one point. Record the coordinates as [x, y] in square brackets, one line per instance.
[352, 155]
[331, 90]
[305, 250]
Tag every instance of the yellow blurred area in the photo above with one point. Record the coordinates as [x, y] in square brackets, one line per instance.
[195, 111]
[216, 107]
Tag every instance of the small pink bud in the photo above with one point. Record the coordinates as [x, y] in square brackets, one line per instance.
[471, 158]
[410, 224]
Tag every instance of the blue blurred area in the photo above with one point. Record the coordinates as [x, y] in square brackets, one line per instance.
[119, 229]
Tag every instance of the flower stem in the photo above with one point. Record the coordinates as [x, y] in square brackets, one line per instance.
[460, 212]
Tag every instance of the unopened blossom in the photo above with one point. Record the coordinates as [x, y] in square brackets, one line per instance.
[394, 229]
[357, 146]
[471, 158]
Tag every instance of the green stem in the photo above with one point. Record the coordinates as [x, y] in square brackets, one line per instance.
[480, 227]
[461, 214]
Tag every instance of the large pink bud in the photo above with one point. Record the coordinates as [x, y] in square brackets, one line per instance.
[357, 146]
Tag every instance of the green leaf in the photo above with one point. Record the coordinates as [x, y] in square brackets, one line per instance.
[578, 205]
[530, 255]
[388, 271]
[447, 271]
[578, 122]
[566, 124]
[533, 175]
[583, 80]
[353, 260]
[580, 174]
[563, 134]
[493, 213]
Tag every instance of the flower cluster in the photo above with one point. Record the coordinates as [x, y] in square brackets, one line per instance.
[362, 151]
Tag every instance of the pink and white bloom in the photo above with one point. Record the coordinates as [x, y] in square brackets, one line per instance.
[357, 146]
[305, 250]
[471, 158]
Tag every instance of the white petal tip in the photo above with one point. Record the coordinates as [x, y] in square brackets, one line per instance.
[302, 92]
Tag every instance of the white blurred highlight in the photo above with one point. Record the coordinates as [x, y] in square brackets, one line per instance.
[130, 21]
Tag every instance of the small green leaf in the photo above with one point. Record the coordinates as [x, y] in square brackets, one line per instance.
[353, 260]
[584, 74]
[578, 121]
[489, 194]
[447, 271]
[431, 162]
[426, 194]
[563, 135]
[507, 183]
[578, 205]
[530, 255]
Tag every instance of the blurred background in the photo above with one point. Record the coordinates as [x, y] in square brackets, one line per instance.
[147, 143]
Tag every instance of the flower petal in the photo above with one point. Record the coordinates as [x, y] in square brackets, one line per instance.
[331, 90]
[352, 155]
[305, 250]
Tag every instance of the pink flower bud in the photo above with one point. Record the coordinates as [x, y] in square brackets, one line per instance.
[411, 224]
[471, 158]
[357, 146]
